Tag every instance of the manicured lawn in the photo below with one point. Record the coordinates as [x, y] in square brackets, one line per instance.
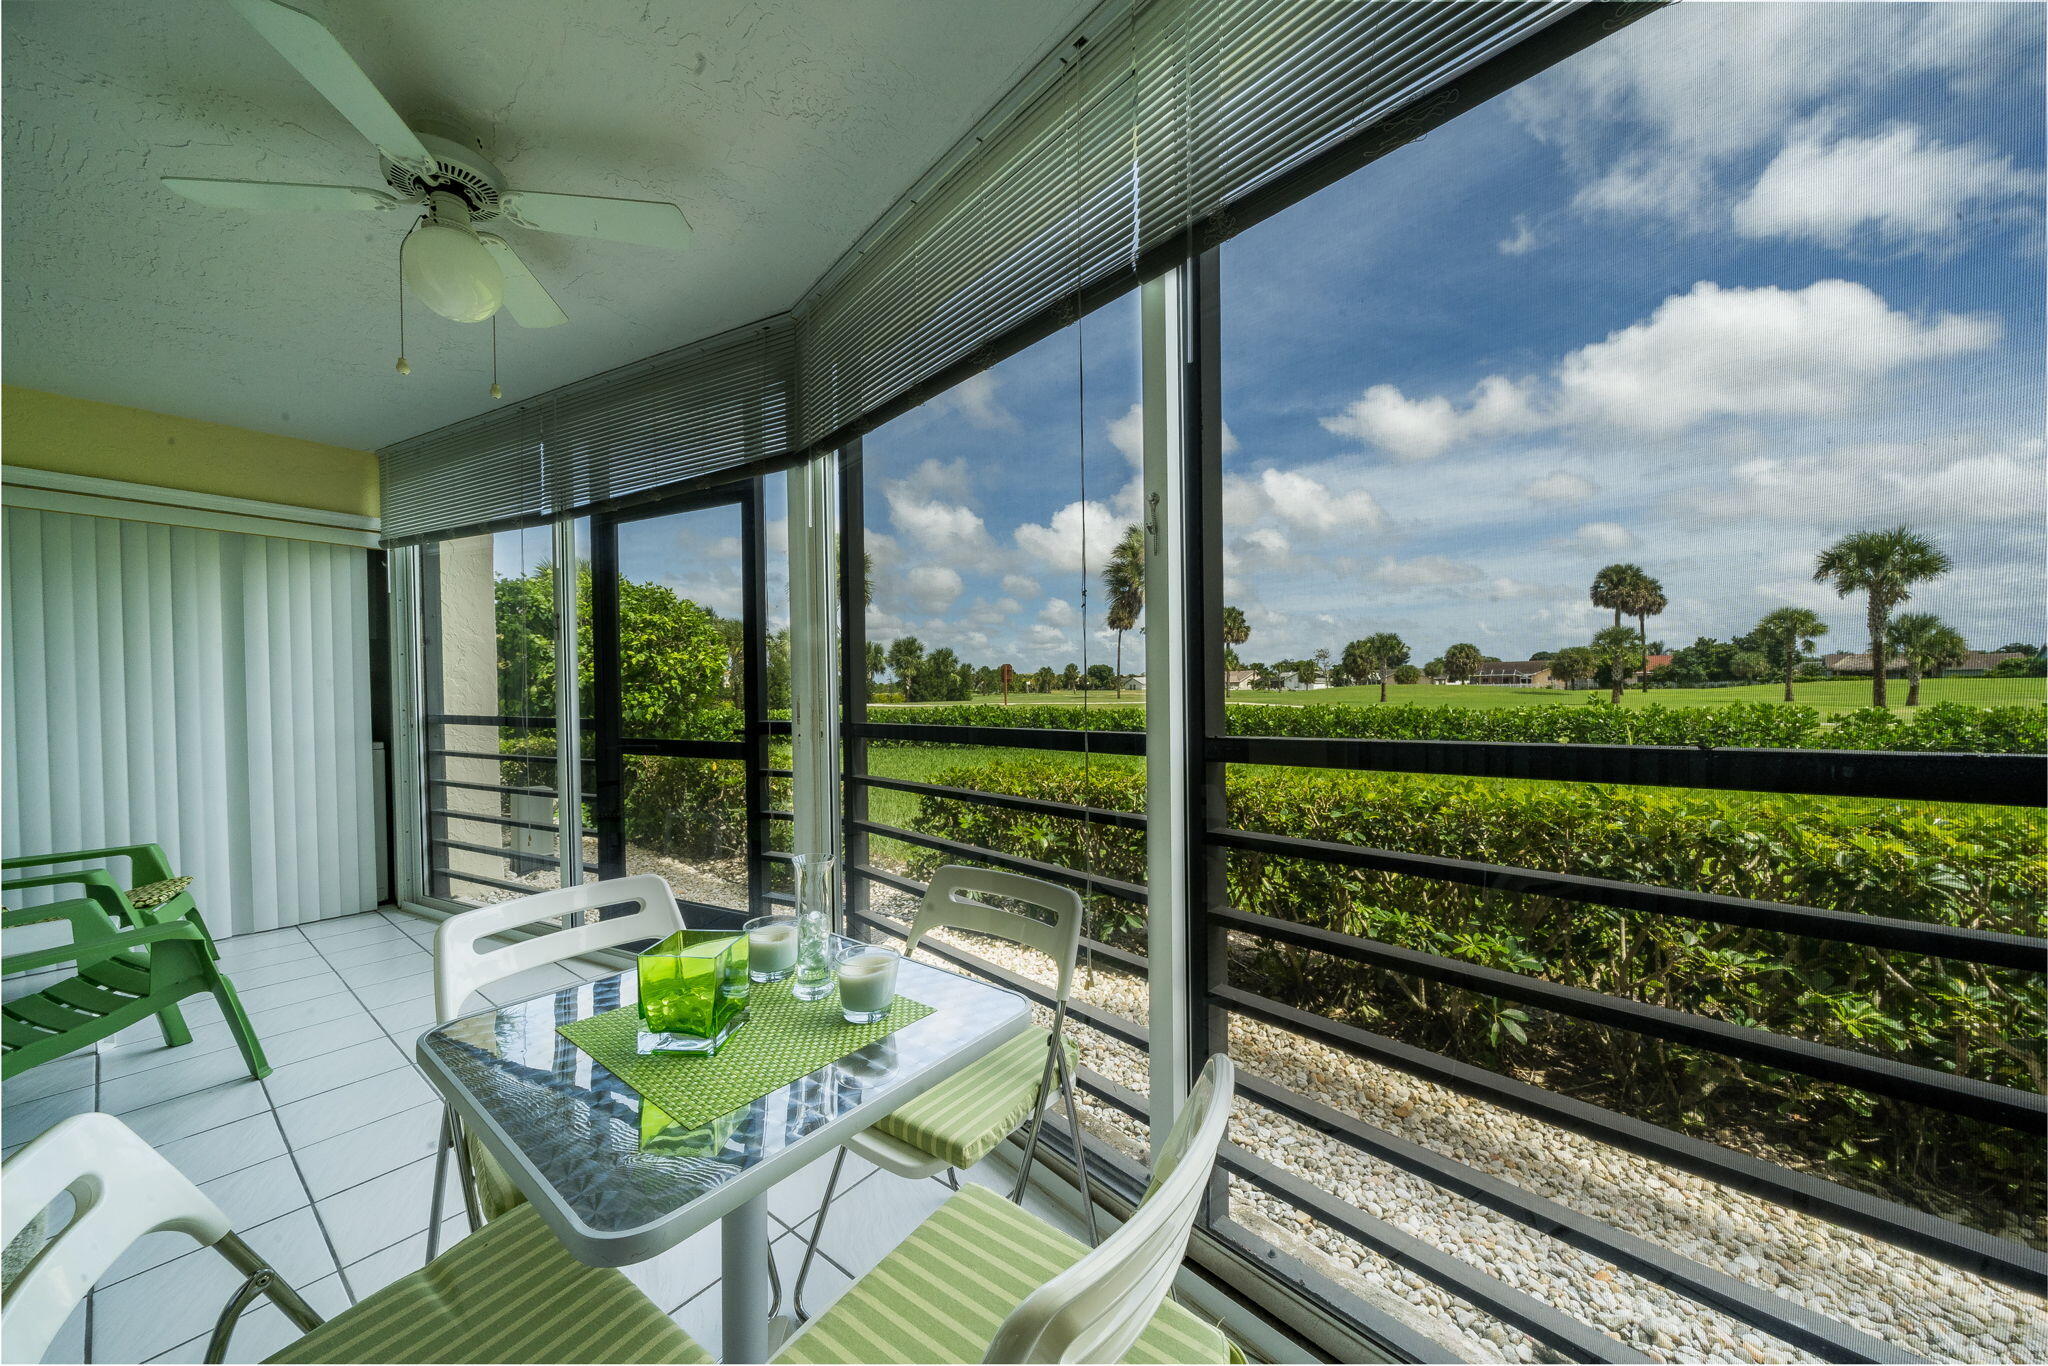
[1831, 695]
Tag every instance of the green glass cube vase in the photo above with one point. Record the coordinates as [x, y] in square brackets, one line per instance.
[693, 991]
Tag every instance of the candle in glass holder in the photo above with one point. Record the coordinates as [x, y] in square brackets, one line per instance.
[771, 947]
[867, 983]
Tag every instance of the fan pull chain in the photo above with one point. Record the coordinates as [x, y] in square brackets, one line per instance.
[496, 392]
[404, 365]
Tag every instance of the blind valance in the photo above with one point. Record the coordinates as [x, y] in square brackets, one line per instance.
[1159, 115]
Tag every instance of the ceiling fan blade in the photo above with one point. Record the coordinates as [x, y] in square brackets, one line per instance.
[528, 303]
[643, 222]
[305, 42]
[272, 196]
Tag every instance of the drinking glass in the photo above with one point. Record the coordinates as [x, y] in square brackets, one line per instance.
[771, 947]
[867, 982]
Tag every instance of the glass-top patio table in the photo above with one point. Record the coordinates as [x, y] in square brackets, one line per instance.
[620, 1183]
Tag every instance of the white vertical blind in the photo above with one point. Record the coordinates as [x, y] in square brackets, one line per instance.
[204, 690]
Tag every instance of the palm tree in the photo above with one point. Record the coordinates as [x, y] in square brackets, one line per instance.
[1124, 578]
[1928, 644]
[1617, 650]
[1614, 587]
[1236, 631]
[905, 654]
[1793, 630]
[1376, 653]
[1645, 600]
[1884, 566]
[1462, 659]
[877, 661]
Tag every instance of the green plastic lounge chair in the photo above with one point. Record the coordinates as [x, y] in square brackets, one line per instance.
[982, 1280]
[509, 1293]
[959, 1121]
[155, 885]
[133, 962]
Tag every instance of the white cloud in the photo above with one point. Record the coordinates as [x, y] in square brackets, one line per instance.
[932, 588]
[1898, 185]
[1716, 352]
[1264, 542]
[934, 524]
[1060, 613]
[1604, 536]
[1521, 241]
[1651, 121]
[1420, 429]
[1426, 571]
[1559, 486]
[1712, 352]
[1018, 586]
[1059, 543]
[1838, 487]
[974, 398]
[1310, 505]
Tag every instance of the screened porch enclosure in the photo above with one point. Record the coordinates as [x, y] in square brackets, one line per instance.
[1259, 485]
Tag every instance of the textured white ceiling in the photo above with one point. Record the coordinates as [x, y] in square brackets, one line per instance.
[783, 128]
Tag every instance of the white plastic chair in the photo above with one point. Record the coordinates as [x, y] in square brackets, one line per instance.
[122, 1190]
[1096, 1308]
[460, 968]
[950, 903]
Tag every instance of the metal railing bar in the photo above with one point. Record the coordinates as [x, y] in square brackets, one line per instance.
[509, 722]
[492, 787]
[1051, 872]
[685, 749]
[1578, 1341]
[1906, 936]
[486, 755]
[1877, 1076]
[1122, 742]
[1131, 962]
[1996, 779]
[1127, 1031]
[1111, 1094]
[504, 851]
[501, 885]
[1825, 1337]
[484, 818]
[2007, 1262]
[1094, 815]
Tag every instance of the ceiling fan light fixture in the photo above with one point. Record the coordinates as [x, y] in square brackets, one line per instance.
[451, 272]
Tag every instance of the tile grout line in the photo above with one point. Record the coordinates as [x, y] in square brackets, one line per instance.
[347, 1286]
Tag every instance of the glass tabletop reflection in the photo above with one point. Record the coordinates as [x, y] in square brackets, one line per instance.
[615, 1162]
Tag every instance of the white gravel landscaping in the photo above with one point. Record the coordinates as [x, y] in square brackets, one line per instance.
[1924, 1308]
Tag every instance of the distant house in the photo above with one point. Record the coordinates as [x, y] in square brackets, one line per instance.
[1240, 678]
[1515, 673]
[1975, 664]
[1135, 682]
[1292, 683]
[1655, 661]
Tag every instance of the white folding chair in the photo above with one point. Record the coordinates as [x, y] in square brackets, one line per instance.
[121, 1189]
[919, 1140]
[1096, 1308]
[962, 1277]
[460, 967]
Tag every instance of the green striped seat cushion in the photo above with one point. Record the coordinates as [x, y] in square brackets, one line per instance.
[972, 1111]
[508, 1293]
[942, 1295]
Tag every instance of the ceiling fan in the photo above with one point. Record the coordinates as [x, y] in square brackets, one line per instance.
[447, 261]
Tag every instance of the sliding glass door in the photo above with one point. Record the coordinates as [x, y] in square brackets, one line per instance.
[678, 699]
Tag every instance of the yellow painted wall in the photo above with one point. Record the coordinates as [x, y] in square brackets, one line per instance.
[46, 431]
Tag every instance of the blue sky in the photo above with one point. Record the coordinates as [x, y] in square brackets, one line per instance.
[1734, 282]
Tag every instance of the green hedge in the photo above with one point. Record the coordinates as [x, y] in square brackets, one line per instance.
[1982, 868]
[1945, 726]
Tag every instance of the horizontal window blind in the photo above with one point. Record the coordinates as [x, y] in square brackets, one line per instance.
[1170, 112]
[700, 409]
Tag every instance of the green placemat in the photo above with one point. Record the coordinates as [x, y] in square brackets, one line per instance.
[783, 1039]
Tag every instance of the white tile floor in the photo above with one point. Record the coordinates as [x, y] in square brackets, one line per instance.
[326, 1165]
